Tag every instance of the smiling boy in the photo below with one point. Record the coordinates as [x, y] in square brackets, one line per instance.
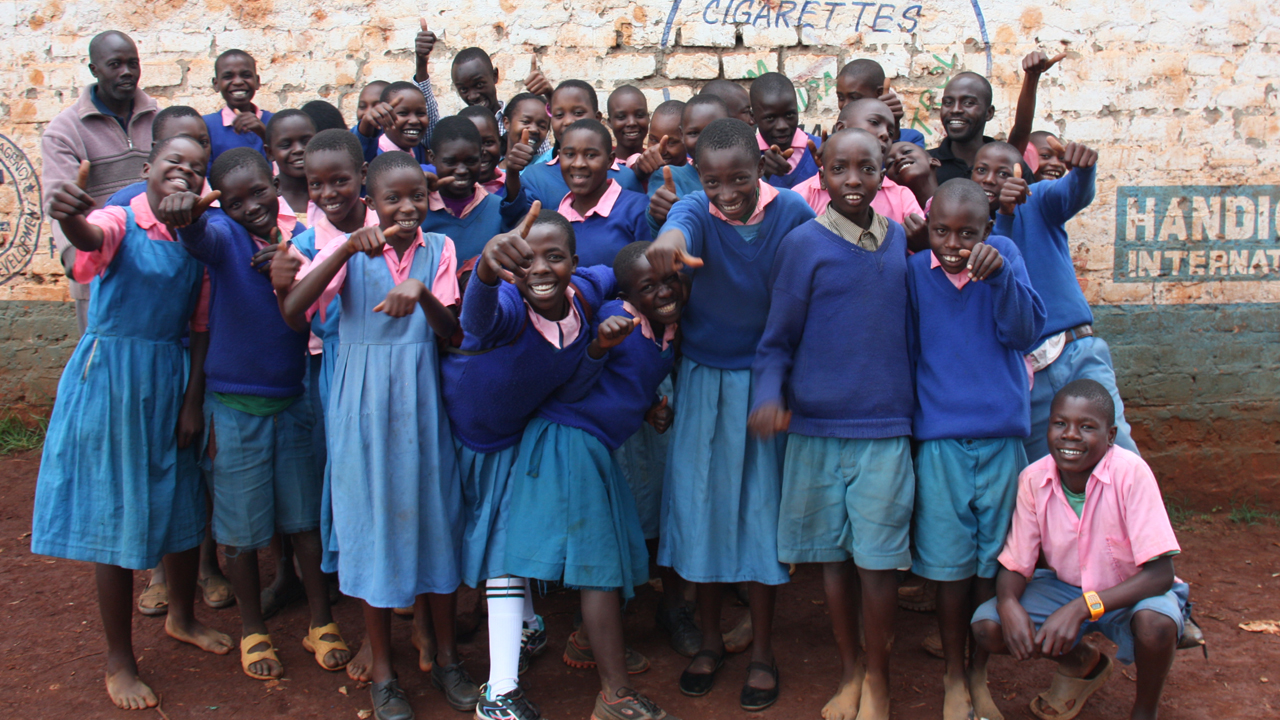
[787, 160]
[239, 123]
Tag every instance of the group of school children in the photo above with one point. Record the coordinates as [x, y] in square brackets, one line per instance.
[517, 344]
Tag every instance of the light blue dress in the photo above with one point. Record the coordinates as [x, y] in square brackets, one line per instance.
[113, 487]
[397, 500]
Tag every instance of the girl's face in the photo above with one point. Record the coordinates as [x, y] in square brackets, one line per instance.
[333, 184]
[236, 80]
[547, 278]
[411, 120]
[193, 127]
[585, 161]
[908, 163]
[567, 106]
[287, 145]
[459, 159]
[731, 179]
[529, 115]
[178, 167]
[399, 196]
[249, 197]
[369, 97]
[629, 120]
[490, 147]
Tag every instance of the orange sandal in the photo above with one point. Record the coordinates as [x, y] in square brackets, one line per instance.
[248, 658]
[320, 648]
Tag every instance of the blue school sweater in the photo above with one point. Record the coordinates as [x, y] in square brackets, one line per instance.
[967, 347]
[371, 150]
[223, 138]
[600, 238]
[251, 349]
[911, 136]
[505, 369]
[491, 217]
[1038, 228]
[729, 300]
[684, 176]
[807, 168]
[613, 409]
[126, 194]
[545, 182]
[834, 351]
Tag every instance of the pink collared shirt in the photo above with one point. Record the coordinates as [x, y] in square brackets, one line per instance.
[646, 329]
[436, 203]
[287, 218]
[556, 161]
[559, 333]
[799, 142]
[385, 144]
[959, 279]
[444, 286]
[1122, 526]
[892, 201]
[229, 115]
[498, 182]
[767, 195]
[602, 208]
[114, 222]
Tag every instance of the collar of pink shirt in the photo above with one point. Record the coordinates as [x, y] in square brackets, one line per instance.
[385, 144]
[556, 161]
[147, 220]
[325, 230]
[646, 329]
[799, 142]
[229, 115]
[558, 332]
[767, 195]
[959, 279]
[602, 208]
[436, 203]
[497, 183]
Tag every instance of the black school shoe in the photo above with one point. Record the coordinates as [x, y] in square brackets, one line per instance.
[389, 701]
[755, 699]
[459, 689]
[686, 638]
[699, 684]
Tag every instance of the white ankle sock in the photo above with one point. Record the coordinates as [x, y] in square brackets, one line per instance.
[530, 617]
[506, 598]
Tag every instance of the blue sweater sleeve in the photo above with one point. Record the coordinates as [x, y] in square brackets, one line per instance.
[1003, 225]
[489, 315]
[367, 144]
[790, 287]
[641, 227]
[1063, 198]
[684, 218]
[205, 240]
[1019, 312]
[513, 209]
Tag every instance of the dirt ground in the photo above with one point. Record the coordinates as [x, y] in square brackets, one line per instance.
[52, 646]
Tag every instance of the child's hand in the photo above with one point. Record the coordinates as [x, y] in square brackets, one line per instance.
[651, 159]
[917, 231]
[71, 199]
[666, 258]
[1037, 63]
[1019, 631]
[890, 98]
[775, 161]
[984, 261]
[520, 154]
[611, 332]
[247, 122]
[183, 208]
[813, 153]
[261, 260]
[768, 420]
[1014, 192]
[435, 183]
[284, 268]
[425, 41]
[665, 197]
[381, 116]
[660, 415]
[507, 255]
[403, 298]
[1058, 634]
[535, 82]
[190, 423]
[1076, 155]
[368, 240]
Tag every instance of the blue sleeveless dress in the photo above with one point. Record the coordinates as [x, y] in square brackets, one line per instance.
[113, 487]
[397, 500]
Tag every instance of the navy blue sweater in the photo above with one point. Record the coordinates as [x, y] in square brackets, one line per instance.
[470, 234]
[729, 300]
[613, 409]
[223, 138]
[371, 149]
[1038, 228]
[967, 347]
[545, 182]
[807, 168]
[600, 238]
[835, 350]
[251, 349]
[505, 370]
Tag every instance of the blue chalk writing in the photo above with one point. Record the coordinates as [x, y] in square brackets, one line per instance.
[876, 17]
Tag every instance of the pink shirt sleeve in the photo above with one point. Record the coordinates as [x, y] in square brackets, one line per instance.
[1146, 521]
[1022, 544]
[200, 318]
[90, 265]
[445, 284]
[335, 285]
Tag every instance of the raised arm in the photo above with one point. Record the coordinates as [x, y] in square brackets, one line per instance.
[1034, 65]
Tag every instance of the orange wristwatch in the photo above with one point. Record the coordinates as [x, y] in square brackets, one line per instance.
[1096, 608]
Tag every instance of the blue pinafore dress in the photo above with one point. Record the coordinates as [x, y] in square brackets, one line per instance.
[114, 487]
[397, 500]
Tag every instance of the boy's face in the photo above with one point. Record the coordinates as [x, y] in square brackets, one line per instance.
[731, 179]
[477, 83]
[411, 120]
[1051, 166]
[459, 159]
[908, 163]
[399, 196]
[333, 184]
[657, 297]
[851, 170]
[584, 162]
[873, 116]
[629, 120]
[288, 145]
[547, 278]
[954, 226]
[668, 125]
[529, 115]
[696, 119]
[178, 167]
[192, 127]
[965, 109]
[490, 147]
[739, 104]
[369, 97]
[249, 197]
[991, 168]
[850, 89]
[236, 80]
[567, 106]
[1079, 436]
[777, 117]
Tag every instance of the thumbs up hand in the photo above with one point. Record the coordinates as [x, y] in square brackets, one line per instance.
[71, 199]
[535, 82]
[652, 158]
[520, 153]
[660, 415]
[248, 122]
[181, 209]
[425, 41]
[663, 200]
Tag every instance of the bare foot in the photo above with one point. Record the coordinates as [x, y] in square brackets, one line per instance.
[739, 638]
[956, 704]
[984, 706]
[200, 635]
[128, 692]
[337, 657]
[844, 704]
[874, 703]
[358, 668]
[426, 646]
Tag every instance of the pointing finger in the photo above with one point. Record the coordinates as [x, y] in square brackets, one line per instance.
[885, 91]
[662, 144]
[964, 252]
[788, 153]
[82, 175]
[1017, 171]
[527, 223]
[395, 101]
[379, 307]
[1055, 146]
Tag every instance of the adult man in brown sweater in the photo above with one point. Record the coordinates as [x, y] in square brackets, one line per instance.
[110, 126]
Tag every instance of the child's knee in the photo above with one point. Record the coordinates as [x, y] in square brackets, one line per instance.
[989, 635]
[1153, 630]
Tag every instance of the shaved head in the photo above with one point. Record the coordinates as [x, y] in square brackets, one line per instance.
[104, 43]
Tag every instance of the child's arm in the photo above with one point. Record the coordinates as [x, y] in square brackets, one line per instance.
[537, 83]
[70, 205]
[284, 273]
[503, 258]
[1019, 631]
[308, 290]
[663, 199]
[186, 211]
[1018, 563]
[1019, 311]
[408, 295]
[789, 290]
[191, 416]
[1033, 66]
[1058, 634]
[1075, 191]
[610, 333]
[670, 252]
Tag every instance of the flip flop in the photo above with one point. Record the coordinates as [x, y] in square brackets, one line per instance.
[320, 648]
[154, 600]
[248, 658]
[217, 592]
[1066, 696]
